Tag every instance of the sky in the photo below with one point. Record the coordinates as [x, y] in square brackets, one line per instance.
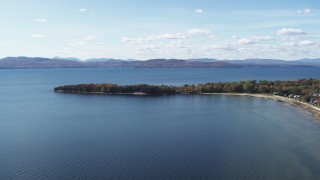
[149, 29]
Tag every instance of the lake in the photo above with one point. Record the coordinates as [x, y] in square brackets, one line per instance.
[45, 135]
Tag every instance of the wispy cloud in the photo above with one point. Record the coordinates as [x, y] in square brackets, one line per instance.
[245, 41]
[307, 43]
[213, 36]
[261, 38]
[289, 44]
[224, 47]
[235, 37]
[176, 43]
[84, 41]
[304, 11]
[153, 38]
[41, 20]
[134, 40]
[37, 35]
[169, 36]
[82, 10]
[199, 11]
[90, 38]
[290, 31]
[198, 32]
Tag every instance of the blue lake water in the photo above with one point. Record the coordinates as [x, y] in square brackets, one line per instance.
[44, 135]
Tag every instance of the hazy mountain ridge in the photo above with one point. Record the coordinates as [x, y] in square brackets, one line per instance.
[39, 62]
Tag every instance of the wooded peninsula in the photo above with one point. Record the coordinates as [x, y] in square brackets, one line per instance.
[303, 90]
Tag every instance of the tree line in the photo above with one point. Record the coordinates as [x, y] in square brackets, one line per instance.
[305, 89]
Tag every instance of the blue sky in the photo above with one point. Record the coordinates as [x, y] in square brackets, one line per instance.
[146, 29]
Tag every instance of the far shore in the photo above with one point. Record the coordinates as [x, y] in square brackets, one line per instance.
[313, 109]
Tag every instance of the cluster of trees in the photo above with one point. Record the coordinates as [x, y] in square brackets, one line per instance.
[298, 87]
[117, 89]
[305, 88]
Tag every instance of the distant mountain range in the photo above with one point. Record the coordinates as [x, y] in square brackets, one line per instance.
[57, 62]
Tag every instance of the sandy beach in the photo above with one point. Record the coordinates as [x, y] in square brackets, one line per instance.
[313, 109]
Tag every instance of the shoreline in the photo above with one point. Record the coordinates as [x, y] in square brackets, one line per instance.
[99, 93]
[293, 102]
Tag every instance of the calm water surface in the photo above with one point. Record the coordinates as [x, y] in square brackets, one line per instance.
[44, 135]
